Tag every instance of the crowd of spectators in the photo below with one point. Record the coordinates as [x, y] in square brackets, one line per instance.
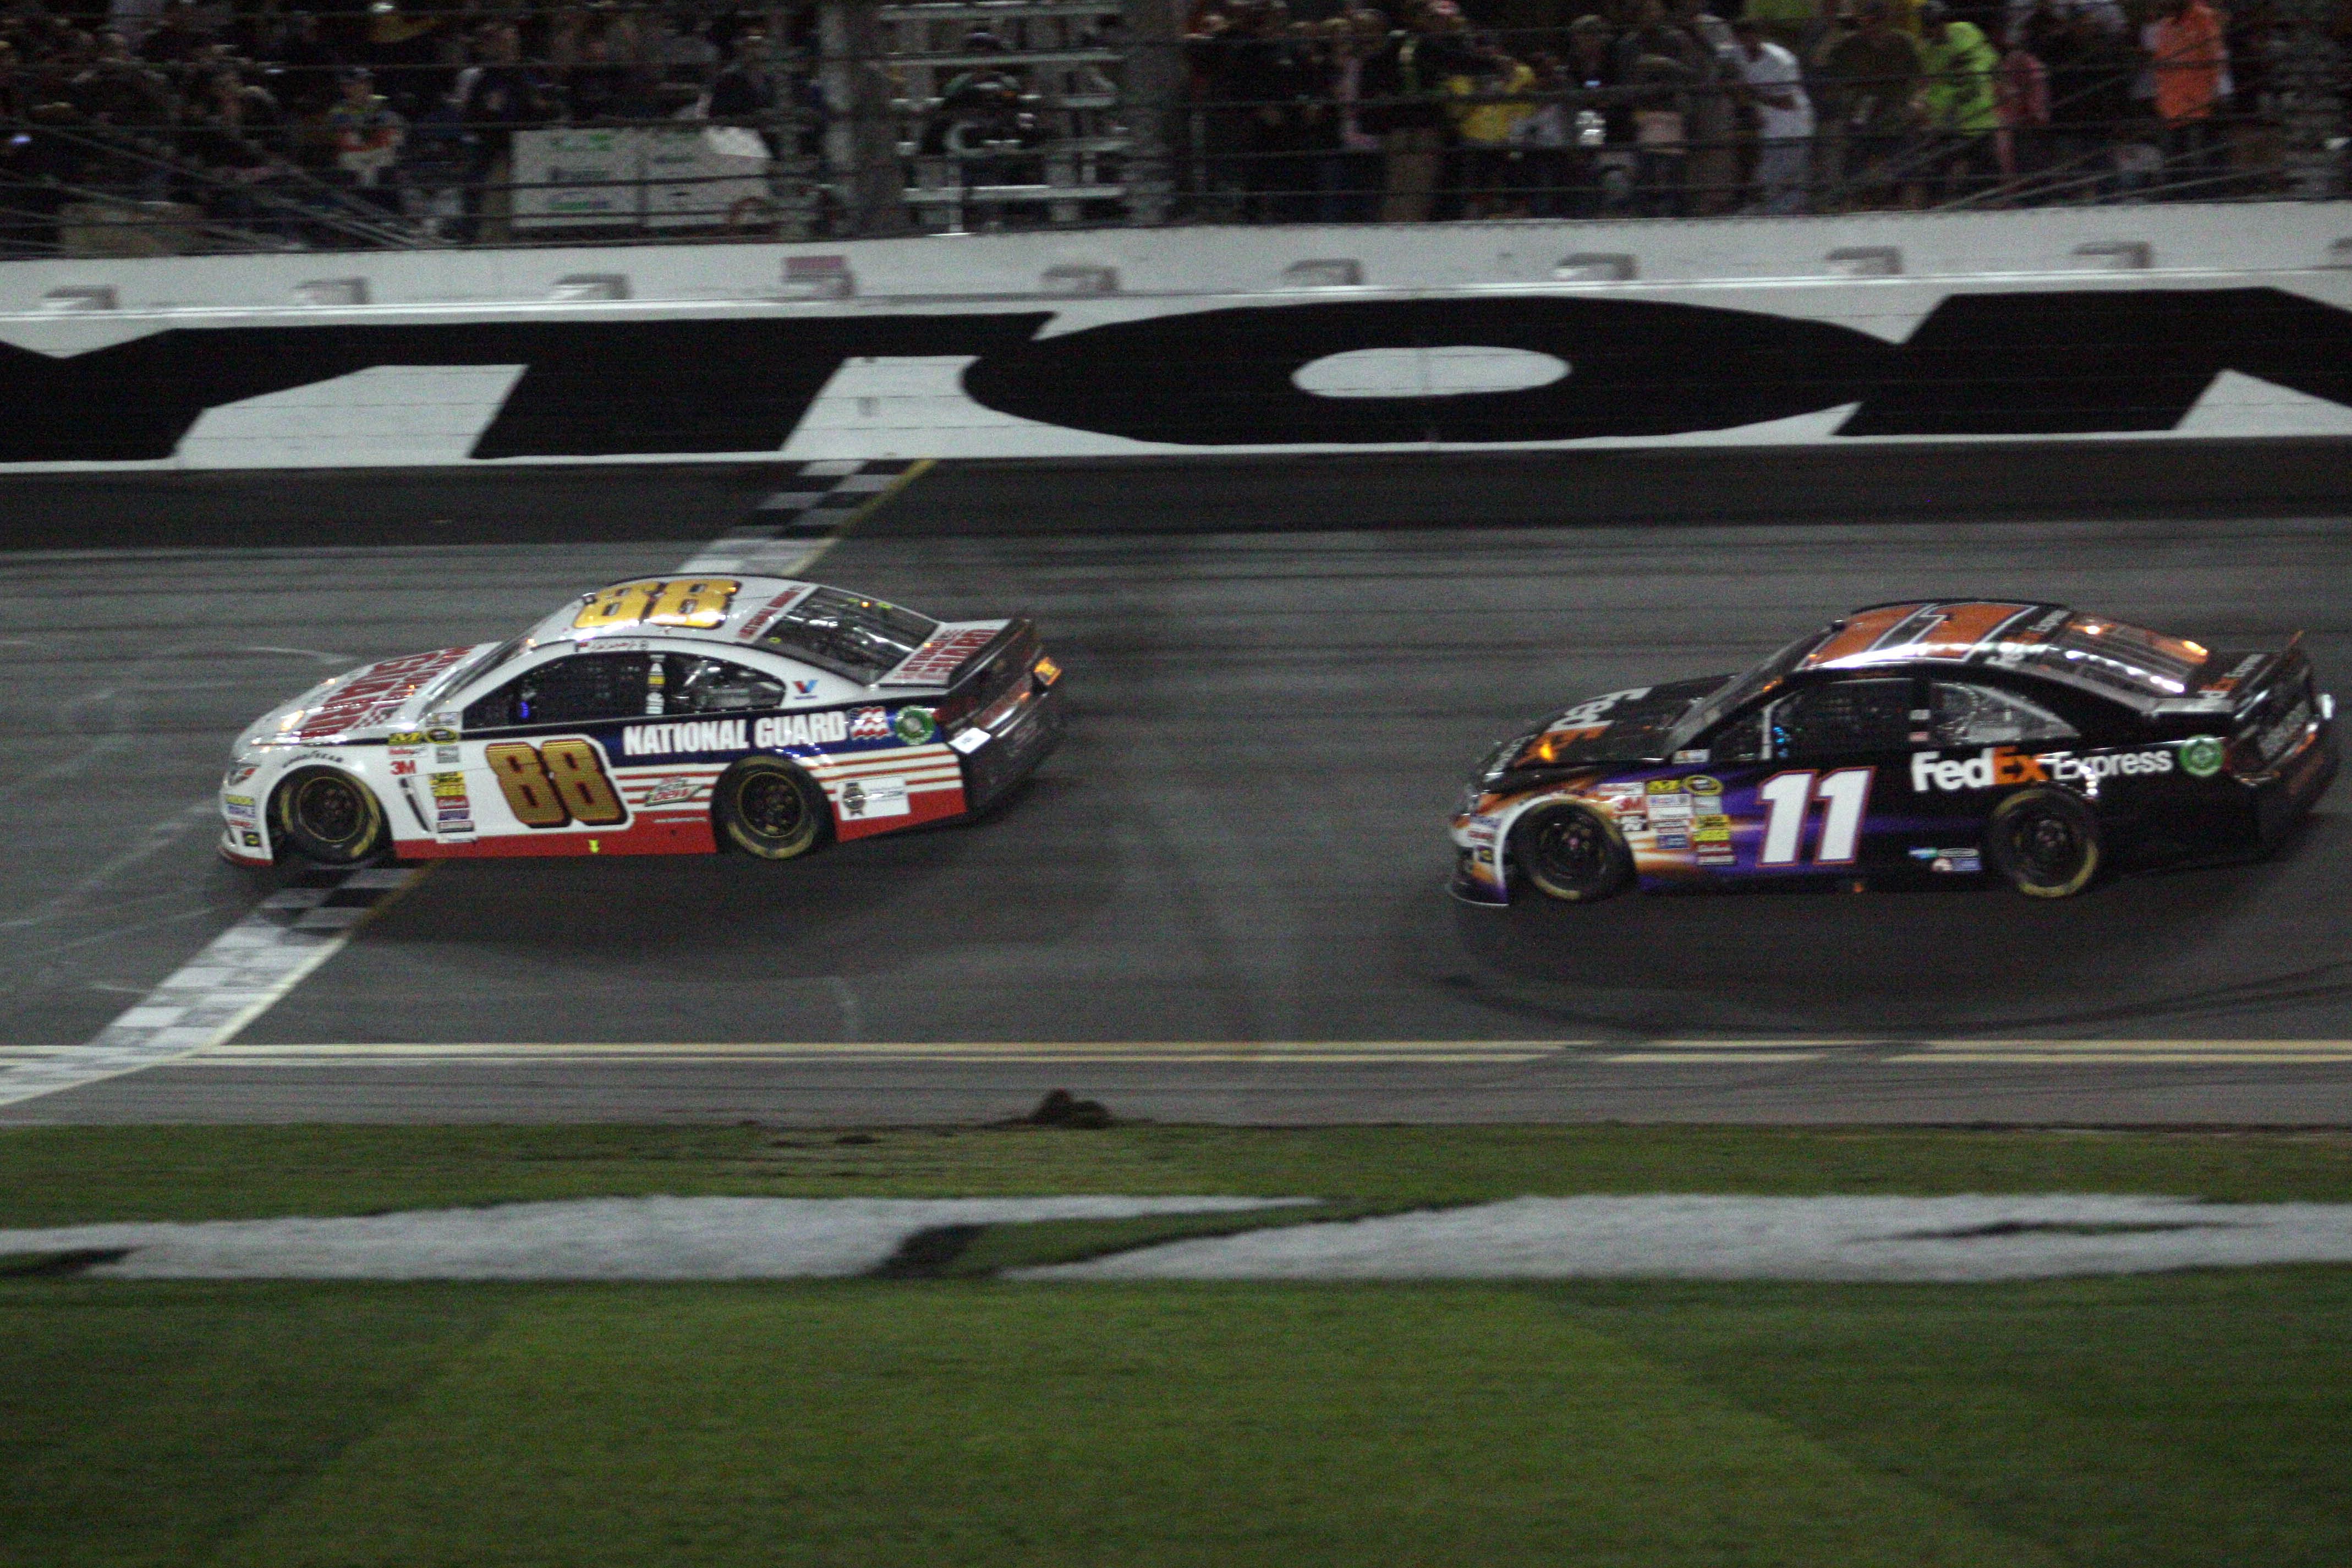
[234, 123]
[1325, 111]
[228, 122]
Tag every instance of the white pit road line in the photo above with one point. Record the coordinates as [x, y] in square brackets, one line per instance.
[245, 970]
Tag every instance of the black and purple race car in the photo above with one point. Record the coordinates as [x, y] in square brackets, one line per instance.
[1913, 741]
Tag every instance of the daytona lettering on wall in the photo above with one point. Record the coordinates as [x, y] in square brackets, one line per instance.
[2074, 362]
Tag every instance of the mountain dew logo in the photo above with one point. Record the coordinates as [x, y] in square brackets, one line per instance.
[2200, 757]
[914, 725]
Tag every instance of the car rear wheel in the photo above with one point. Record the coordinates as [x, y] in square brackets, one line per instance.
[328, 816]
[767, 807]
[1570, 853]
[2044, 842]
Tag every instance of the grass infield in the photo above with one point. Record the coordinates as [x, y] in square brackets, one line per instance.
[2196, 1418]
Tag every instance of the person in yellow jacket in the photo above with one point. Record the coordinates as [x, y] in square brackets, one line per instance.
[1962, 109]
[1485, 119]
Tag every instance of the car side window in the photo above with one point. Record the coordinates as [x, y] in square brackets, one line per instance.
[581, 690]
[1740, 740]
[1965, 715]
[1840, 717]
[692, 684]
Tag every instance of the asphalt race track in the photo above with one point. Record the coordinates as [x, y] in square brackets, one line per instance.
[1224, 899]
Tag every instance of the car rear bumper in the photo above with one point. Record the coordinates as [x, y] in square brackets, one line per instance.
[1014, 752]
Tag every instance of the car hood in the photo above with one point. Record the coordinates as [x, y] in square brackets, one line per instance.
[361, 704]
[1614, 727]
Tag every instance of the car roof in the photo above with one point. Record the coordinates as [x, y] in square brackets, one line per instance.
[1940, 631]
[681, 607]
[2096, 653]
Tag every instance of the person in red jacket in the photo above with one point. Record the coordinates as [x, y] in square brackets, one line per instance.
[2191, 61]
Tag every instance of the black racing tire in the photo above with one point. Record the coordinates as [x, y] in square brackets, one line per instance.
[766, 806]
[2044, 843]
[1570, 853]
[327, 816]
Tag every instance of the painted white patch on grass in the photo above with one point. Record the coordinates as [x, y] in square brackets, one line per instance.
[590, 1239]
[1833, 1239]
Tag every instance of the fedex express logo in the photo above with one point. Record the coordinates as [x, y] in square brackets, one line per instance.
[2000, 766]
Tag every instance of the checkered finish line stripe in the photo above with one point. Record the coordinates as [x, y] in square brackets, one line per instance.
[239, 977]
[793, 526]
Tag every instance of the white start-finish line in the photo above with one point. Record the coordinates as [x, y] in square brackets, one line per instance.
[248, 968]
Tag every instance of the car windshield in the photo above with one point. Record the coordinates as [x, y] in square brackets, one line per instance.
[863, 639]
[1741, 687]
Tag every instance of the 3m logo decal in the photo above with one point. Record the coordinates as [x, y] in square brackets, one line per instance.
[558, 784]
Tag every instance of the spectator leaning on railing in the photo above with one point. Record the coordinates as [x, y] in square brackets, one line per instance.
[1784, 120]
[1961, 113]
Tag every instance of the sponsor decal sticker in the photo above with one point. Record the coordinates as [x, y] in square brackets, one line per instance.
[2200, 757]
[373, 695]
[804, 690]
[1963, 862]
[864, 798]
[969, 740]
[239, 806]
[251, 839]
[1993, 767]
[403, 766]
[914, 725]
[938, 659]
[1700, 784]
[799, 730]
[404, 738]
[2068, 768]
[869, 724]
[445, 757]
[1692, 759]
[674, 788]
[727, 735]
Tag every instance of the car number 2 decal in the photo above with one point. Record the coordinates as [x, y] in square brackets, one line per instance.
[555, 785]
[1788, 797]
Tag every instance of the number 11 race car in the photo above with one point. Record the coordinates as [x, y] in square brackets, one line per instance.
[653, 716]
[1913, 741]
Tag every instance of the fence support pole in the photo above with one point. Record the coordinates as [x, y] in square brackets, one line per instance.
[1154, 106]
[2310, 100]
[857, 86]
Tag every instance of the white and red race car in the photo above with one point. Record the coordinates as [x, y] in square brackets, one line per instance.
[656, 716]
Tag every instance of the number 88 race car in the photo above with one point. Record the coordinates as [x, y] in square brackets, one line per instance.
[1908, 741]
[673, 716]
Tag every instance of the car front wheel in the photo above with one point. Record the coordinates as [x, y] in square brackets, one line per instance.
[1570, 853]
[328, 816]
[2044, 843]
[767, 807]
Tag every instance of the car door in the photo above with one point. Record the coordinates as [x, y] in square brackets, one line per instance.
[1830, 746]
[1792, 785]
[1981, 743]
[538, 751]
